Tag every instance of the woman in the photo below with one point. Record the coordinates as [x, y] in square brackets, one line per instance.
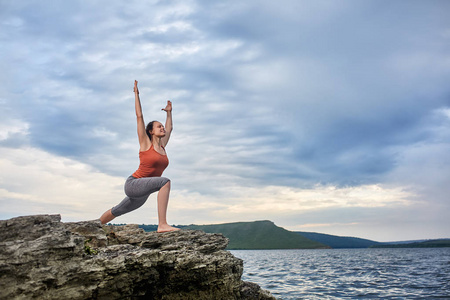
[153, 161]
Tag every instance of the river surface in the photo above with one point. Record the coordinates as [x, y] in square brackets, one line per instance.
[350, 273]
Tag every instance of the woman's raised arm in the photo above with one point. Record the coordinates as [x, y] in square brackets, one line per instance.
[169, 124]
[144, 140]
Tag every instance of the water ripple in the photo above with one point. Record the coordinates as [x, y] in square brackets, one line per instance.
[350, 273]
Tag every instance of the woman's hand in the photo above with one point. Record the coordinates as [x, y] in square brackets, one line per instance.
[168, 106]
[169, 125]
[136, 90]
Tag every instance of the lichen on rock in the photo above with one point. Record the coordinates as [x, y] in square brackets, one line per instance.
[44, 258]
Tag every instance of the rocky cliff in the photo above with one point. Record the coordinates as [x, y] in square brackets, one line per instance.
[43, 258]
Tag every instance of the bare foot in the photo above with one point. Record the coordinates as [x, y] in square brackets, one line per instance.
[166, 228]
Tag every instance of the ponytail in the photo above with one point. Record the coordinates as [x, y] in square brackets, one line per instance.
[149, 129]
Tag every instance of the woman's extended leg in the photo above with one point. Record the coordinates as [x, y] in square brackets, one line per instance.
[163, 203]
[107, 217]
[137, 191]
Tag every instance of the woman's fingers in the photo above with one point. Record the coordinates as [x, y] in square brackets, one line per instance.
[168, 106]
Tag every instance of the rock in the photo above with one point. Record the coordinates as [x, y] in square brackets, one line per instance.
[250, 290]
[43, 258]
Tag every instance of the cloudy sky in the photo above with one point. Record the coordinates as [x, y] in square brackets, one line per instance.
[325, 116]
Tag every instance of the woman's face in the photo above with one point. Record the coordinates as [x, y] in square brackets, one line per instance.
[158, 130]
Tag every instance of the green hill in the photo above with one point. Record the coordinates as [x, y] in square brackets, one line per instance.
[266, 235]
[259, 235]
[338, 242]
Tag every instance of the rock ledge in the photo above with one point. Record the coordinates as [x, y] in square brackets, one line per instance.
[43, 258]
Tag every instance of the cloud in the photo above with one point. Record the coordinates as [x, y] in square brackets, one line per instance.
[423, 165]
[37, 182]
[300, 101]
[12, 129]
[281, 202]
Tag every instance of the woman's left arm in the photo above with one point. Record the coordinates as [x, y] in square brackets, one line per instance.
[169, 125]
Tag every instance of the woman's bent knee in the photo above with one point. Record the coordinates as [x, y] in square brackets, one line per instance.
[165, 180]
[166, 184]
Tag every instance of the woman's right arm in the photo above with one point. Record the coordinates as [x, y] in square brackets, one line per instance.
[144, 141]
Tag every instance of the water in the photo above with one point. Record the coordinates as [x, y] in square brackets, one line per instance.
[350, 273]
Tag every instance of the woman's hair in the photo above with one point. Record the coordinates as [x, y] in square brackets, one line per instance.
[149, 128]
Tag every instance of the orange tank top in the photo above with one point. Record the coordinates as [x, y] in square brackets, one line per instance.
[152, 164]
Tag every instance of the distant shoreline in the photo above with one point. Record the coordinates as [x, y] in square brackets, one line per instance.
[440, 243]
[265, 235]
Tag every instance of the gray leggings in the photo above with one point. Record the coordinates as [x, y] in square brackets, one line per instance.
[138, 190]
